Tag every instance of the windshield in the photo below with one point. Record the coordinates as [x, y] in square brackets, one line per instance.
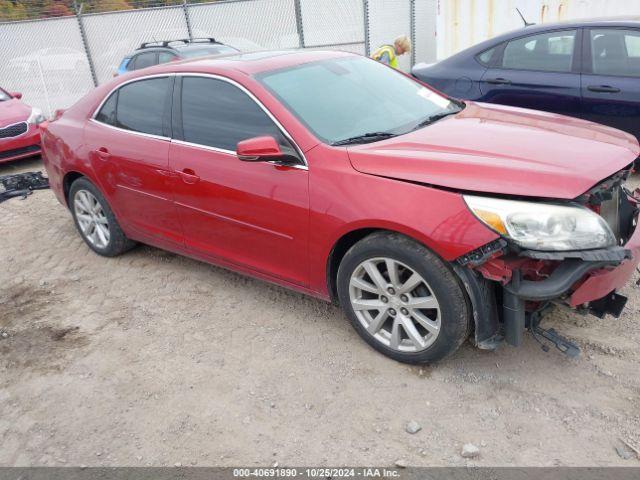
[4, 96]
[347, 98]
[202, 51]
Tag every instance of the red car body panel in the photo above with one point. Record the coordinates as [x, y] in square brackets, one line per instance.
[13, 148]
[602, 282]
[509, 150]
[282, 223]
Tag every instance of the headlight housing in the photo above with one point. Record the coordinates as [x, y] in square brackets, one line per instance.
[36, 117]
[543, 226]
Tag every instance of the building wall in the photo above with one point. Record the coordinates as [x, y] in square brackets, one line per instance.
[462, 23]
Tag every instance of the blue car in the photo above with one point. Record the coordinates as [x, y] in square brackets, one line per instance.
[588, 69]
[154, 53]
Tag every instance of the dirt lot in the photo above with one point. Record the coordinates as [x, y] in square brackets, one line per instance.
[155, 359]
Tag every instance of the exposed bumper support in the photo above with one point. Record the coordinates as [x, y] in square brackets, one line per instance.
[558, 283]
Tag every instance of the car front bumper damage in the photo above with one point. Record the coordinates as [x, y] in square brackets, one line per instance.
[511, 289]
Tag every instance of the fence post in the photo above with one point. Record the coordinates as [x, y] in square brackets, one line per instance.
[367, 42]
[187, 19]
[412, 28]
[299, 25]
[85, 43]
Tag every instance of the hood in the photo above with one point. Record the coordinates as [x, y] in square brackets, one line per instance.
[13, 111]
[502, 150]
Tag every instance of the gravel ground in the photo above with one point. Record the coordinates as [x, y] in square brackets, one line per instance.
[156, 359]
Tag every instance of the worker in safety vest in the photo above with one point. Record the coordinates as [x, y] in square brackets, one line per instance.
[388, 54]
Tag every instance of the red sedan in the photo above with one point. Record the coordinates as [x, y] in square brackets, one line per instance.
[424, 217]
[19, 127]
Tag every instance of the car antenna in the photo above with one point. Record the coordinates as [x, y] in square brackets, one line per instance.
[526, 24]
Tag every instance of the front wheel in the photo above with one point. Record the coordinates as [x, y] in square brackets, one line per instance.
[402, 299]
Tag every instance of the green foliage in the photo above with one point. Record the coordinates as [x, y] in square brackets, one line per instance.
[28, 9]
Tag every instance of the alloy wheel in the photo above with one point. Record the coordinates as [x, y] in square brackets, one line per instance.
[394, 304]
[92, 220]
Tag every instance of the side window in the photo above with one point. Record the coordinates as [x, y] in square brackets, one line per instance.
[548, 52]
[141, 104]
[107, 113]
[485, 57]
[144, 60]
[164, 57]
[615, 52]
[218, 114]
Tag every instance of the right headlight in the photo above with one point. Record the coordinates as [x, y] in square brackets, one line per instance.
[543, 226]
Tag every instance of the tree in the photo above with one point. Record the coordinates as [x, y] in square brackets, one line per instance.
[56, 9]
[12, 10]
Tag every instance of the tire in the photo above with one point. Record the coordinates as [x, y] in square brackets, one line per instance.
[84, 197]
[431, 320]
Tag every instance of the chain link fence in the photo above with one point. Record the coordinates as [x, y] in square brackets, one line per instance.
[54, 62]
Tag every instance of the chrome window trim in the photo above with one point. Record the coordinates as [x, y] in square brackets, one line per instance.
[258, 102]
[14, 124]
[132, 132]
[198, 145]
[204, 147]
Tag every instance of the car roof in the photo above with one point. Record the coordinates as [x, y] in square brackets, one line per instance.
[250, 63]
[626, 21]
[196, 45]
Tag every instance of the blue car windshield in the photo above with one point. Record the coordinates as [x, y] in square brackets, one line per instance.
[342, 98]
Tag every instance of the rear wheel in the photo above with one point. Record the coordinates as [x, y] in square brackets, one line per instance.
[402, 299]
[95, 220]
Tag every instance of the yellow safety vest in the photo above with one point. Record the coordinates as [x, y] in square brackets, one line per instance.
[391, 51]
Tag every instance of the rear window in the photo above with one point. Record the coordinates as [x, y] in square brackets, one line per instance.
[107, 113]
[137, 106]
[485, 57]
[547, 52]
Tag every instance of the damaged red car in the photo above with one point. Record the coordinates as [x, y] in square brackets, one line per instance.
[429, 220]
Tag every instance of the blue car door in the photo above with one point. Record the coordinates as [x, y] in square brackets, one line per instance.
[539, 71]
[611, 78]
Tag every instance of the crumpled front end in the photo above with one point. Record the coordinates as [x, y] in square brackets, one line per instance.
[511, 287]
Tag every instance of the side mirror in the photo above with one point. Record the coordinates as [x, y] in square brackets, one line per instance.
[260, 149]
[17, 95]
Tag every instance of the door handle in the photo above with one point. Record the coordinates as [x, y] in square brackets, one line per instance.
[189, 176]
[103, 153]
[603, 88]
[498, 81]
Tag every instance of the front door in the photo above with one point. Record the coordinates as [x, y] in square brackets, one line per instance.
[611, 78]
[252, 214]
[537, 71]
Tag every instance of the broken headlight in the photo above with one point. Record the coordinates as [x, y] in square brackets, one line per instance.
[543, 226]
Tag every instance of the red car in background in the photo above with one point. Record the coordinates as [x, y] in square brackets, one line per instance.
[19, 127]
[424, 217]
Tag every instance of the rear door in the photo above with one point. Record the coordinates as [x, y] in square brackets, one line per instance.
[539, 71]
[611, 78]
[129, 142]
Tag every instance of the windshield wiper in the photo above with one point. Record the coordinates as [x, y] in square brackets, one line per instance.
[364, 138]
[434, 118]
